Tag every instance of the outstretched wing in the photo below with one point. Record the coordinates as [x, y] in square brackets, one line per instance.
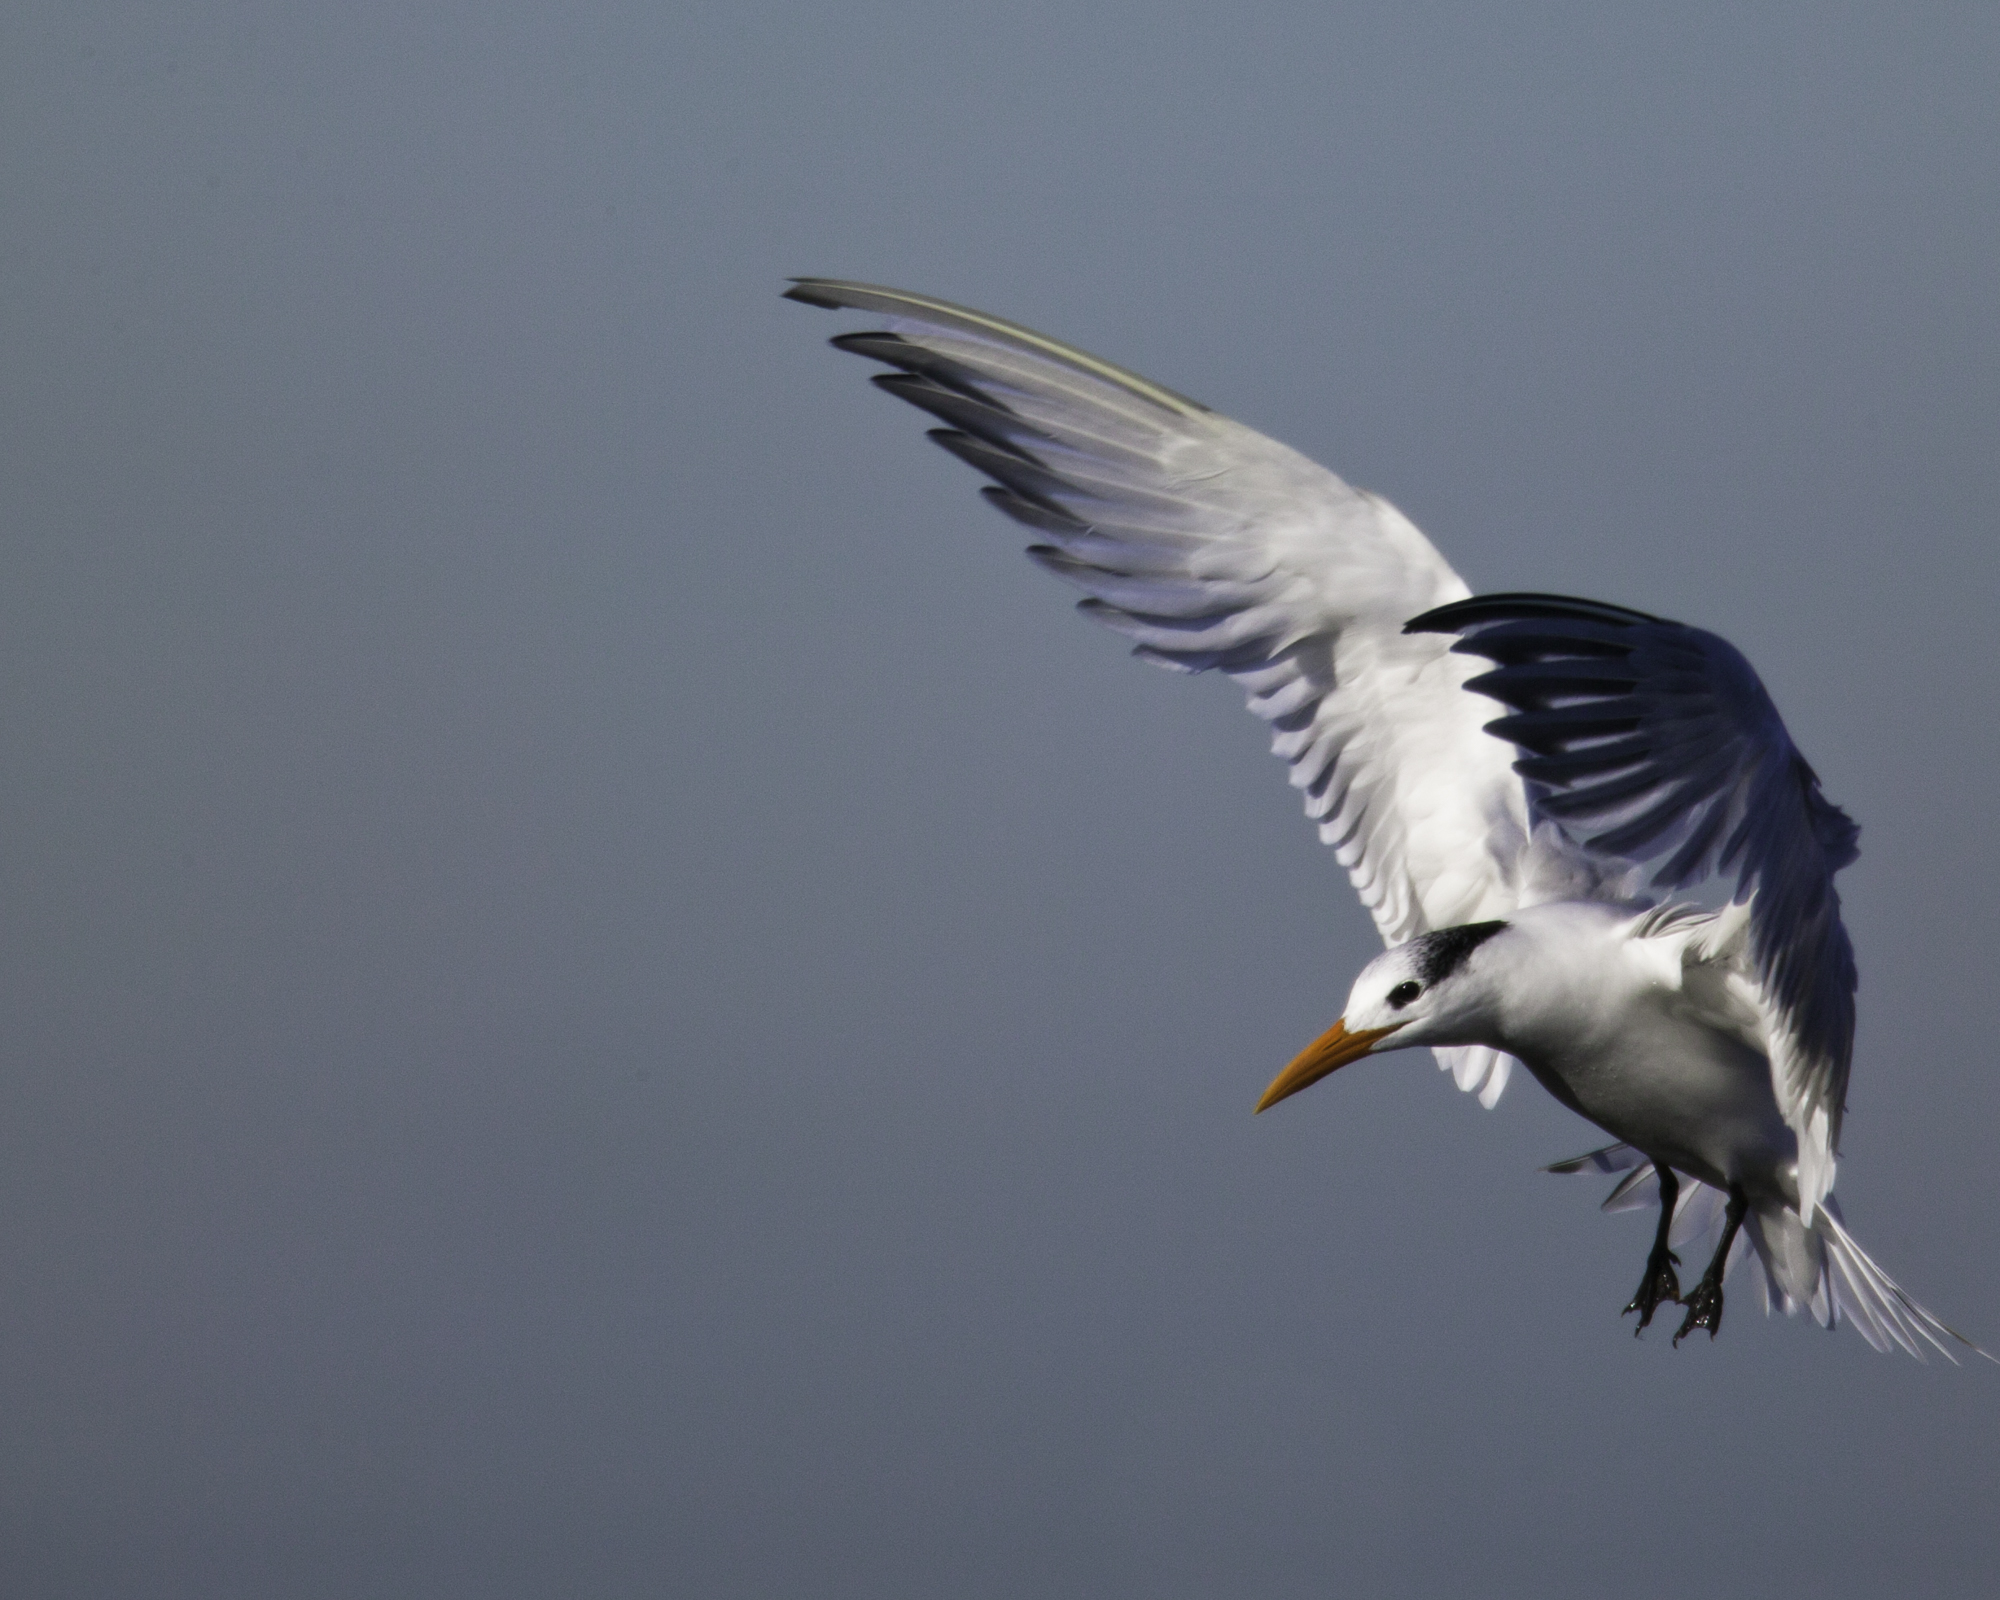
[1214, 547]
[1650, 741]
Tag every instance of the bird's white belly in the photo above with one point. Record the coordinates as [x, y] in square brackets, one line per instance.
[1683, 1093]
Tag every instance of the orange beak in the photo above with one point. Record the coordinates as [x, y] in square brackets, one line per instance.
[1332, 1049]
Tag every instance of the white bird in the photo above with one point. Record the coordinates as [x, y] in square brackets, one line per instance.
[1522, 870]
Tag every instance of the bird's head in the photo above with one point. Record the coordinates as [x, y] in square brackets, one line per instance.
[1428, 991]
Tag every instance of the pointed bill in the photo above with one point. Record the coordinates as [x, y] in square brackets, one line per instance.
[1334, 1048]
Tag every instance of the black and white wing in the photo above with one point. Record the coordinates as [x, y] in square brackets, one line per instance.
[1213, 547]
[1650, 741]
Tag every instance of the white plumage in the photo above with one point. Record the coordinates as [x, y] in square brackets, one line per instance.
[1522, 868]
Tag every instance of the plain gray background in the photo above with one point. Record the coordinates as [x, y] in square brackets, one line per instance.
[606, 995]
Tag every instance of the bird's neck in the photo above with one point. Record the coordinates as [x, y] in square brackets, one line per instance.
[1556, 981]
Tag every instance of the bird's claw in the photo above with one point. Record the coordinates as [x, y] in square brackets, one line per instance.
[1660, 1283]
[1704, 1310]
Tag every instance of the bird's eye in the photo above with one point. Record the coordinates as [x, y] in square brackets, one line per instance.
[1404, 993]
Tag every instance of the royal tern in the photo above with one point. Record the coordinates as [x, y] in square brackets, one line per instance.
[1522, 869]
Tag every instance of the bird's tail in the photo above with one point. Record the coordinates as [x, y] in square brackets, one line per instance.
[1882, 1313]
[1824, 1271]
[1820, 1270]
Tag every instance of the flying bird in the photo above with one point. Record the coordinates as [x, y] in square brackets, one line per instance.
[1532, 873]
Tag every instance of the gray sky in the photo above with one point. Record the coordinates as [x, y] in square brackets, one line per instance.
[606, 994]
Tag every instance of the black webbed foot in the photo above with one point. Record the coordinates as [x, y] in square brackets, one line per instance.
[1705, 1304]
[1704, 1309]
[1660, 1283]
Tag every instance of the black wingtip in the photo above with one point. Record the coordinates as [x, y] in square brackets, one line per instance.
[1518, 607]
[808, 293]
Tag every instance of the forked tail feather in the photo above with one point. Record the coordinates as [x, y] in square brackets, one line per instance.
[1881, 1311]
[1822, 1271]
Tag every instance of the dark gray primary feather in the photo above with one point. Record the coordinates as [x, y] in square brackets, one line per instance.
[834, 294]
[1655, 742]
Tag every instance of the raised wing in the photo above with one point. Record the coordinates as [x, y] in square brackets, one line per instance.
[1214, 547]
[1650, 741]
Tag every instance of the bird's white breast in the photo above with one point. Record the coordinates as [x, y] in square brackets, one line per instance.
[1602, 1020]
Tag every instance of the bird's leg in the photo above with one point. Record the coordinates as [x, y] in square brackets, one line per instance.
[1659, 1282]
[1705, 1304]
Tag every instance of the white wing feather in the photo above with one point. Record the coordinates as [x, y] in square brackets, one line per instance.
[1213, 547]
